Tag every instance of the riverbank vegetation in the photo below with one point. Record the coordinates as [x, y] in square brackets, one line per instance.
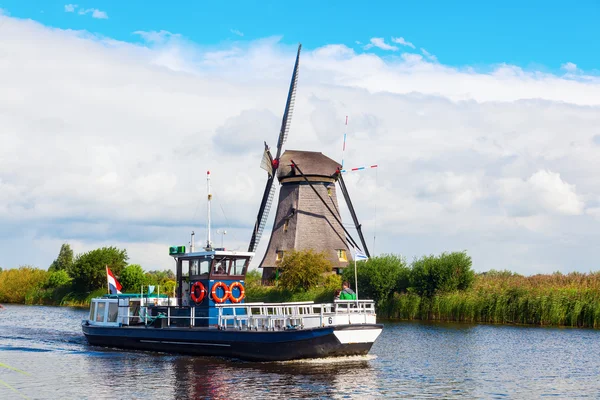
[75, 280]
[445, 288]
[436, 287]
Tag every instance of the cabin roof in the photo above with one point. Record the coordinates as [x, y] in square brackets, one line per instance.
[310, 162]
[215, 253]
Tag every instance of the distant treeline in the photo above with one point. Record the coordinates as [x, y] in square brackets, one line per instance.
[445, 288]
[74, 280]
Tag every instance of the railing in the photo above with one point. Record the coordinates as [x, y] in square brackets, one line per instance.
[266, 316]
[273, 316]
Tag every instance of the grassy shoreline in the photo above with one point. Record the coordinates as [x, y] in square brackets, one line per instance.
[495, 297]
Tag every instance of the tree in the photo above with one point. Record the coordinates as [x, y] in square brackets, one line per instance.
[132, 278]
[379, 277]
[303, 269]
[444, 273]
[64, 259]
[58, 279]
[159, 277]
[89, 269]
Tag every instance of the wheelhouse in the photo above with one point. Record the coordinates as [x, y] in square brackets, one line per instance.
[209, 266]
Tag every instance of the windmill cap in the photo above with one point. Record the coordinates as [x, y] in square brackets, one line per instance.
[312, 163]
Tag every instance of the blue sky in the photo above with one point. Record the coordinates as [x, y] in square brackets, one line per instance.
[541, 35]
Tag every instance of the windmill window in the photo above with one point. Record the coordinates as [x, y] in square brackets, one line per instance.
[279, 255]
[342, 255]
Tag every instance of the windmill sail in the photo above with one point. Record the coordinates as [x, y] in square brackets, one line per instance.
[267, 161]
[289, 107]
[269, 192]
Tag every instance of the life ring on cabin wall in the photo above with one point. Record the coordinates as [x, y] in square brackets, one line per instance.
[198, 292]
[242, 292]
[226, 292]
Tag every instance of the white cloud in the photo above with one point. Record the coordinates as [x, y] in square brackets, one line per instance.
[94, 11]
[381, 44]
[70, 7]
[569, 67]
[543, 192]
[156, 37]
[428, 55]
[403, 42]
[118, 137]
[236, 32]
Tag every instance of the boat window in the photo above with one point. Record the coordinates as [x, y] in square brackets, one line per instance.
[100, 311]
[113, 311]
[221, 266]
[238, 266]
[92, 309]
[197, 266]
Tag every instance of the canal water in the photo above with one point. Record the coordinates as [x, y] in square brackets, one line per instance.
[409, 360]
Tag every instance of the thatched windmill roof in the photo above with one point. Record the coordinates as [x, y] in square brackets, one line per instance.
[312, 164]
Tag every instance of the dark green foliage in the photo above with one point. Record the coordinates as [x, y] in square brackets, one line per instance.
[132, 278]
[444, 273]
[303, 269]
[64, 259]
[58, 279]
[159, 277]
[89, 269]
[271, 294]
[165, 280]
[379, 277]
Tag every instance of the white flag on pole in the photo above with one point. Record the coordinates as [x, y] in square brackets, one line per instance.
[359, 255]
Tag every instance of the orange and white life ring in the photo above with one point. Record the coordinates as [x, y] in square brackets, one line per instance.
[198, 292]
[226, 292]
[242, 292]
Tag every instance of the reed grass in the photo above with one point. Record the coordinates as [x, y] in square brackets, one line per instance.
[506, 298]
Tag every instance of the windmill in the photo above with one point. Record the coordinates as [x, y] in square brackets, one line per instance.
[307, 215]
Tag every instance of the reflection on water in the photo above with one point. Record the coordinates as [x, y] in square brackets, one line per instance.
[408, 360]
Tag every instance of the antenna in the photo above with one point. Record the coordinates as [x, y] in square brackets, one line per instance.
[208, 241]
[344, 146]
[221, 232]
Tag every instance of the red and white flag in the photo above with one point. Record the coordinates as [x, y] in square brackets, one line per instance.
[114, 287]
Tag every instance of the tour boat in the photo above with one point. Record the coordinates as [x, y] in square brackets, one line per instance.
[210, 317]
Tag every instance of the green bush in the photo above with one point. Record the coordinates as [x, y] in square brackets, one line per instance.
[444, 273]
[379, 277]
[19, 285]
[58, 278]
[253, 278]
[303, 269]
[89, 269]
[132, 278]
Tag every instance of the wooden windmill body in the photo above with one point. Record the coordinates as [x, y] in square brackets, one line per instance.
[302, 220]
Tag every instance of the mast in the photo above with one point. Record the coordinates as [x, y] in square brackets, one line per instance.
[208, 241]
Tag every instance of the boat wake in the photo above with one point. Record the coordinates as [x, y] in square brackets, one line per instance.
[331, 360]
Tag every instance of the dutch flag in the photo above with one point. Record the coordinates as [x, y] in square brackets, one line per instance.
[114, 287]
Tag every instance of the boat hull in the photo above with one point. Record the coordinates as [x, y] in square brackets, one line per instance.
[331, 341]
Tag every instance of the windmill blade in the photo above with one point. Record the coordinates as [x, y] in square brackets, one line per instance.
[267, 161]
[289, 106]
[263, 214]
[269, 193]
